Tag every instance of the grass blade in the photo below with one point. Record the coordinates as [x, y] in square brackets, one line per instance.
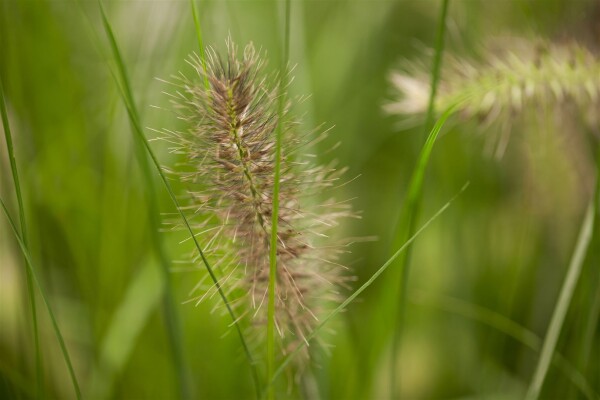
[31, 269]
[407, 224]
[364, 286]
[200, 41]
[275, 212]
[564, 300]
[437, 63]
[30, 291]
[137, 128]
[13, 162]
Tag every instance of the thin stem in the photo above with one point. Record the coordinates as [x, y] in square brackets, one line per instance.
[30, 291]
[59, 335]
[275, 212]
[234, 131]
[128, 101]
[412, 208]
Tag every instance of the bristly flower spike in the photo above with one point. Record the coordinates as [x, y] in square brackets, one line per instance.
[229, 155]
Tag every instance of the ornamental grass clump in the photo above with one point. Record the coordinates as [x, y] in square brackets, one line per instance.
[231, 109]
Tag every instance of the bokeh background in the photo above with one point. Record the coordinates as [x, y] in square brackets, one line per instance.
[484, 278]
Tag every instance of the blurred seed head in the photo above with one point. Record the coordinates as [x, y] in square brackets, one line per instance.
[513, 76]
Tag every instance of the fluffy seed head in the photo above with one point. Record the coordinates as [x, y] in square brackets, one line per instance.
[229, 151]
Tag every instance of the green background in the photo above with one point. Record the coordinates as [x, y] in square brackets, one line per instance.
[503, 246]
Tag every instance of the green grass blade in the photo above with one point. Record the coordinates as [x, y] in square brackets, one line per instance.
[509, 327]
[273, 269]
[30, 291]
[275, 210]
[364, 286]
[133, 116]
[200, 41]
[416, 184]
[55, 326]
[437, 64]
[407, 224]
[13, 162]
[172, 322]
[564, 300]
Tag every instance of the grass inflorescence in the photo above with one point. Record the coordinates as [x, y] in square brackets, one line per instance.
[512, 77]
[229, 147]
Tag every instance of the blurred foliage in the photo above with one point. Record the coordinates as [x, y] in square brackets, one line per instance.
[504, 245]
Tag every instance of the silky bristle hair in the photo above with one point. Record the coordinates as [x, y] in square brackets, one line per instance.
[229, 149]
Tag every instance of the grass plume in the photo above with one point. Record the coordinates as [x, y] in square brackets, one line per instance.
[229, 147]
[512, 77]
[528, 73]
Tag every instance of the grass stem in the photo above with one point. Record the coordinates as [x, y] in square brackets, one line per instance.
[409, 215]
[200, 41]
[275, 212]
[437, 64]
